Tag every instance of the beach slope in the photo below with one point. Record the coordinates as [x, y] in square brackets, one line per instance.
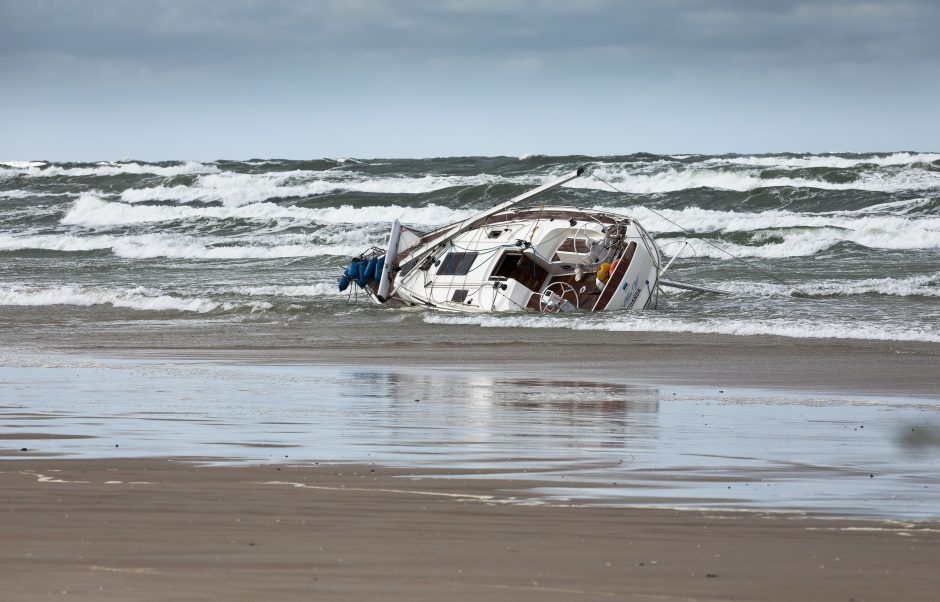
[125, 529]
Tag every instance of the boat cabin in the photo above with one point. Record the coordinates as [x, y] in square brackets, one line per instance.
[525, 261]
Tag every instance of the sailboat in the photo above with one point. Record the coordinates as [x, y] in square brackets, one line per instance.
[518, 256]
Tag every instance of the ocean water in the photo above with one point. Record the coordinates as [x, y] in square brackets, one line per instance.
[833, 245]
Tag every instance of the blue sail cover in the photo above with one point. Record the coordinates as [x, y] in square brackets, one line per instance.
[367, 275]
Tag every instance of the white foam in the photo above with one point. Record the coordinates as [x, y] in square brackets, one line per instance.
[55, 242]
[240, 189]
[646, 180]
[799, 234]
[924, 285]
[184, 247]
[807, 243]
[319, 289]
[139, 298]
[810, 161]
[903, 206]
[914, 286]
[213, 185]
[649, 322]
[802, 234]
[773, 233]
[114, 168]
[25, 194]
[430, 215]
[232, 189]
[179, 246]
[91, 211]
[22, 164]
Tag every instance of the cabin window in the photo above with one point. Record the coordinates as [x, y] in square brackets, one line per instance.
[456, 264]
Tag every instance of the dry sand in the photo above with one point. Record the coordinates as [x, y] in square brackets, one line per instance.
[172, 530]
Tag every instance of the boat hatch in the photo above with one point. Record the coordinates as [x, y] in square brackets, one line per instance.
[520, 268]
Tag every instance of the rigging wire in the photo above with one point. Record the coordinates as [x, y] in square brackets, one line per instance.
[728, 253]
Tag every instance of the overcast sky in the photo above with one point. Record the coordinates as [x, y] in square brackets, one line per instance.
[207, 79]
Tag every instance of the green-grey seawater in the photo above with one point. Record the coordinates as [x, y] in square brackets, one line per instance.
[852, 240]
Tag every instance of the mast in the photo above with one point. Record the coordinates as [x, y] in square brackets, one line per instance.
[474, 220]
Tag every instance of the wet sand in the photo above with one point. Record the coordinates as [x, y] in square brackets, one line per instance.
[169, 530]
[590, 440]
[646, 358]
[838, 365]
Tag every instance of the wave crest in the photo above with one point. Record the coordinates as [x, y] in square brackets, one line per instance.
[628, 179]
[139, 298]
[644, 322]
[92, 211]
[924, 285]
[38, 169]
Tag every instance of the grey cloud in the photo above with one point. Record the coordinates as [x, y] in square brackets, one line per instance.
[691, 30]
[575, 76]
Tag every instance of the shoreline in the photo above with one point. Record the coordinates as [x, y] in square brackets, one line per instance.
[606, 436]
[486, 486]
[163, 529]
[397, 339]
[768, 362]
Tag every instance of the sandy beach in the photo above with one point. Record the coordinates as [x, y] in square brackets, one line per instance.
[172, 530]
[520, 475]
[114, 527]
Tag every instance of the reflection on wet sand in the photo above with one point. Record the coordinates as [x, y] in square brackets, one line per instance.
[572, 441]
[477, 414]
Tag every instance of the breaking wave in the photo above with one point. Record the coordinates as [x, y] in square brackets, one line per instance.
[925, 285]
[241, 189]
[28, 194]
[787, 234]
[696, 219]
[319, 289]
[92, 211]
[22, 164]
[179, 246]
[644, 322]
[772, 234]
[625, 179]
[139, 298]
[41, 169]
[834, 161]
